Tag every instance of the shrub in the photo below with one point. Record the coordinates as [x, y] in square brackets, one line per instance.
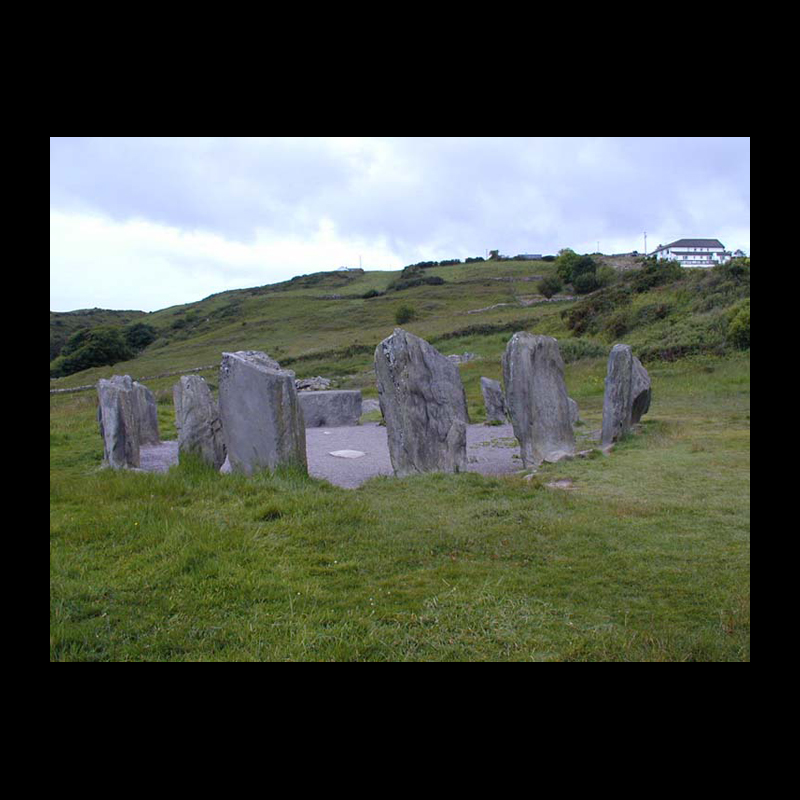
[415, 280]
[95, 347]
[618, 324]
[585, 282]
[652, 313]
[549, 286]
[580, 271]
[654, 273]
[564, 264]
[739, 328]
[585, 265]
[606, 275]
[139, 335]
[404, 313]
[585, 316]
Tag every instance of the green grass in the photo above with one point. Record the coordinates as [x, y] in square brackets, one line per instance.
[297, 319]
[646, 558]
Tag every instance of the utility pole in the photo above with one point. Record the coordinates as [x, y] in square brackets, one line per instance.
[645, 242]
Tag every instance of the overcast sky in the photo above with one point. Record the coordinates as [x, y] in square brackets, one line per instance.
[146, 223]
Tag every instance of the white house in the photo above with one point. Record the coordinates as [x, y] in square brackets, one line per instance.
[694, 252]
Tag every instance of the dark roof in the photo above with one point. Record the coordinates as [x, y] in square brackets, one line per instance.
[692, 243]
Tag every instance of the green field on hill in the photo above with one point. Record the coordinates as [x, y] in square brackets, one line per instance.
[644, 557]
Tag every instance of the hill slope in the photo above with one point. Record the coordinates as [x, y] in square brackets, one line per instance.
[643, 556]
[332, 320]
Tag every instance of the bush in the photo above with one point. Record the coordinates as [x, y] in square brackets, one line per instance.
[549, 286]
[415, 280]
[618, 324]
[404, 313]
[585, 282]
[570, 266]
[652, 313]
[586, 315]
[606, 275]
[95, 347]
[654, 273]
[564, 264]
[739, 328]
[139, 335]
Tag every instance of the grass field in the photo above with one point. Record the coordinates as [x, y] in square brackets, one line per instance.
[645, 558]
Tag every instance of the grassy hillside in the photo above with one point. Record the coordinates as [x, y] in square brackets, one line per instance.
[644, 557]
[328, 321]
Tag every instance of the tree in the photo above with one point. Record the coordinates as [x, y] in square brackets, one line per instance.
[578, 270]
[91, 347]
[139, 335]
[564, 263]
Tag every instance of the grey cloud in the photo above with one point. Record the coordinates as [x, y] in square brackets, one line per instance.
[457, 195]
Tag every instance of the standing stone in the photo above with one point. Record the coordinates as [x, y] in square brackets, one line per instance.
[197, 420]
[627, 394]
[641, 391]
[424, 405]
[119, 425]
[146, 414]
[262, 422]
[332, 408]
[536, 398]
[494, 400]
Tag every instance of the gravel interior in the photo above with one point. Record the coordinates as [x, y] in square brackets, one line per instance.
[491, 450]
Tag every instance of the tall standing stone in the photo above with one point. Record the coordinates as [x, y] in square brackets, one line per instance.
[627, 394]
[494, 400]
[146, 414]
[119, 424]
[262, 423]
[424, 405]
[197, 420]
[536, 398]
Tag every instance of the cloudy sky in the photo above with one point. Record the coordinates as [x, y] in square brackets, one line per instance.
[146, 223]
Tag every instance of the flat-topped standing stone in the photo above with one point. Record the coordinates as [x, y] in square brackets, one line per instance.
[262, 423]
[424, 405]
[197, 420]
[119, 425]
[536, 398]
[332, 408]
[627, 394]
[494, 400]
